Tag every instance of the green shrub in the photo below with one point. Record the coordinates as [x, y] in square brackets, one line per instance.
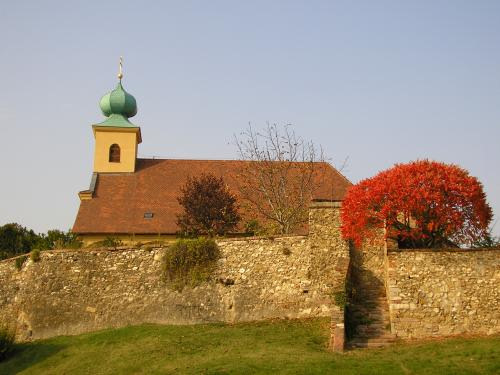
[254, 228]
[20, 261]
[35, 255]
[6, 342]
[72, 244]
[57, 239]
[16, 240]
[109, 241]
[189, 262]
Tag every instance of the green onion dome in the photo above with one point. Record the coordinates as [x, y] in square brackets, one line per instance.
[118, 102]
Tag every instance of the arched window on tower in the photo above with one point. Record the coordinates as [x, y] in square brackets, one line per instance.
[114, 153]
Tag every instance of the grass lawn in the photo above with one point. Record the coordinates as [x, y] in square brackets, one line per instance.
[285, 347]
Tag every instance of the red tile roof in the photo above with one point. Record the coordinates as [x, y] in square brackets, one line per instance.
[121, 200]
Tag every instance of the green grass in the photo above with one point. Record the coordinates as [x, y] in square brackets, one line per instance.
[284, 347]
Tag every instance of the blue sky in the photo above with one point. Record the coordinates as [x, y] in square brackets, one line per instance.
[379, 82]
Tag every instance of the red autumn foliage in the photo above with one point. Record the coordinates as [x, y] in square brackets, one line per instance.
[421, 204]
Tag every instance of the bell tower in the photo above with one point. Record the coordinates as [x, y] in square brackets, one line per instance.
[116, 138]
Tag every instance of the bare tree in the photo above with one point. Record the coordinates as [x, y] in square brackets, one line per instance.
[281, 174]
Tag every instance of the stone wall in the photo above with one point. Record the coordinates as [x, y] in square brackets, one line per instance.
[330, 256]
[443, 293]
[430, 293]
[75, 291]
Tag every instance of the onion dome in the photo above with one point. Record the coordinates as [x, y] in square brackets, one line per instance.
[118, 102]
[118, 105]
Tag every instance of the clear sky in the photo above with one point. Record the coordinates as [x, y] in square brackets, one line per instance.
[379, 82]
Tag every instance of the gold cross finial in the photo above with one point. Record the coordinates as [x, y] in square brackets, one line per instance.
[120, 66]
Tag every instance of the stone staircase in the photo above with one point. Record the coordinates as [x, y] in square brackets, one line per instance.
[371, 326]
[368, 310]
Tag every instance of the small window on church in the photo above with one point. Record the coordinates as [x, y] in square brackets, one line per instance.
[114, 153]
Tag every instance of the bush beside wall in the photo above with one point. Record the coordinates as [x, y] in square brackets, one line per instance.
[189, 262]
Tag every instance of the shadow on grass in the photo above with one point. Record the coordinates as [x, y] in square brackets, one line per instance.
[26, 355]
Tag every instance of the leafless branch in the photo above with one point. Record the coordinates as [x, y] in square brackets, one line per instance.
[281, 174]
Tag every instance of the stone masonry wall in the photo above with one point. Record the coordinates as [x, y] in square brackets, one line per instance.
[330, 256]
[444, 293]
[75, 291]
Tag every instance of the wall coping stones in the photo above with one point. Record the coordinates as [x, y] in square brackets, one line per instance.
[258, 238]
[326, 204]
[445, 250]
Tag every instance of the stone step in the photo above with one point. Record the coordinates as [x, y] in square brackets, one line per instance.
[369, 344]
[371, 300]
[369, 308]
[365, 310]
[369, 305]
[370, 315]
[369, 334]
[386, 336]
[373, 325]
[378, 309]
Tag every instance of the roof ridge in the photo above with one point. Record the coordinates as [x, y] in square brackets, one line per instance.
[239, 160]
[187, 159]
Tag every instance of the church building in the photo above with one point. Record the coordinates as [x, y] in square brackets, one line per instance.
[135, 199]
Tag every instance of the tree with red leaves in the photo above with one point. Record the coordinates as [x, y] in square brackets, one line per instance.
[422, 204]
